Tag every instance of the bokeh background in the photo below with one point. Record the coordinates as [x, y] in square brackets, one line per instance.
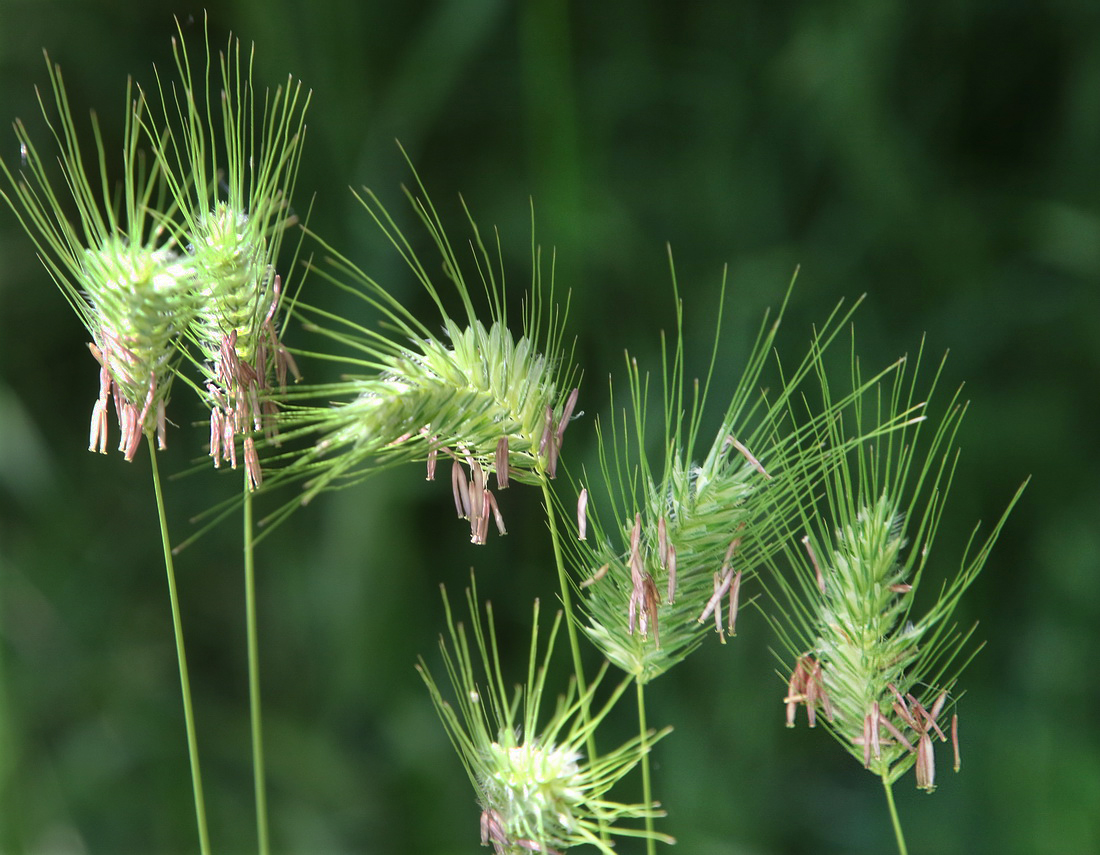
[942, 157]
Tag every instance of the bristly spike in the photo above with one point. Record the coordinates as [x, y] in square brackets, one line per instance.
[536, 788]
[887, 671]
[476, 387]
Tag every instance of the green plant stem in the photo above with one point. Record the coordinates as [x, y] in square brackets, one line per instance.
[647, 784]
[566, 597]
[570, 625]
[254, 676]
[886, 785]
[181, 655]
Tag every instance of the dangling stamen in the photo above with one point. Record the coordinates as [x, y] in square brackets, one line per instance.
[479, 518]
[735, 592]
[216, 436]
[433, 454]
[502, 463]
[796, 690]
[926, 763]
[97, 435]
[748, 456]
[496, 512]
[461, 491]
[876, 744]
[582, 514]
[813, 560]
[566, 415]
[721, 585]
[162, 426]
[252, 463]
[868, 726]
[595, 577]
[649, 609]
[955, 740]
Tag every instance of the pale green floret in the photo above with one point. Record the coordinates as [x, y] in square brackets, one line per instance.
[535, 790]
[234, 282]
[864, 646]
[457, 397]
[140, 298]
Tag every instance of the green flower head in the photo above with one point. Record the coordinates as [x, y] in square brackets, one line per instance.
[120, 266]
[231, 169]
[880, 677]
[495, 403]
[689, 533]
[537, 790]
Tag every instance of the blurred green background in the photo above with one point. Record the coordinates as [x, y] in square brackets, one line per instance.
[943, 157]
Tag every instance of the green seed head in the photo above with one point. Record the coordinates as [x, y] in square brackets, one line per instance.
[690, 530]
[230, 158]
[116, 263]
[233, 283]
[141, 299]
[879, 677]
[535, 790]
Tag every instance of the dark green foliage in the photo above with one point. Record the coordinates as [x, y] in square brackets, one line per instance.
[942, 157]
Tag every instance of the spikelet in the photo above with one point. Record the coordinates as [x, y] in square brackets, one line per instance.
[687, 535]
[536, 789]
[496, 404]
[881, 680]
[121, 267]
[231, 180]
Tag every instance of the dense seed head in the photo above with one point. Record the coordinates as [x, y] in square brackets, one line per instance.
[117, 262]
[536, 789]
[696, 527]
[141, 300]
[233, 285]
[230, 158]
[880, 676]
[496, 402]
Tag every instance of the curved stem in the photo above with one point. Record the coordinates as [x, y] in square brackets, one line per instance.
[181, 656]
[647, 784]
[254, 676]
[886, 785]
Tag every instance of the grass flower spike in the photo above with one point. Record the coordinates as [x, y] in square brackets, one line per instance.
[494, 404]
[881, 679]
[688, 535]
[122, 268]
[126, 272]
[232, 182]
[536, 789]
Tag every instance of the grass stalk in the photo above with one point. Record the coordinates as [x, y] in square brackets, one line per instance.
[256, 718]
[181, 654]
[898, 834]
[570, 625]
[647, 783]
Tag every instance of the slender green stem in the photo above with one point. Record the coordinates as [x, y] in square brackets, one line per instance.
[647, 783]
[570, 625]
[886, 785]
[566, 597]
[181, 655]
[254, 676]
